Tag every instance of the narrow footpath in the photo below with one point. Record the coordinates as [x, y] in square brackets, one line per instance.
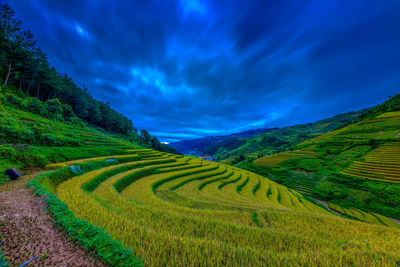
[27, 231]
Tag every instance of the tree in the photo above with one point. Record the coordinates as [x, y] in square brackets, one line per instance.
[155, 143]
[54, 109]
[68, 113]
[145, 136]
[25, 66]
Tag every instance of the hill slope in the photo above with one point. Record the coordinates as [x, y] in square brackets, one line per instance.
[354, 166]
[181, 206]
[196, 211]
[262, 141]
[210, 145]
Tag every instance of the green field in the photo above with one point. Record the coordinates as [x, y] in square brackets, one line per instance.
[175, 210]
[354, 166]
[181, 211]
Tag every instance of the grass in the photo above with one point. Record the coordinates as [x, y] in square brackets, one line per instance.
[179, 211]
[218, 226]
[382, 163]
[29, 141]
[92, 238]
[356, 166]
[128, 202]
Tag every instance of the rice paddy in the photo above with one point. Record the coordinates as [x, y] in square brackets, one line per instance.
[383, 163]
[179, 211]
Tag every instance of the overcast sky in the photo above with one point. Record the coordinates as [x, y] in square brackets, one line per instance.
[191, 68]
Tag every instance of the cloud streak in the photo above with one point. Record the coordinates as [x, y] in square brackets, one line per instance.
[192, 68]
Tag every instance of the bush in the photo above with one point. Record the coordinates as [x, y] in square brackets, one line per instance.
[67, 112]
[35, 106]
[15, 134]
[58, 140]
[54, 109]
[13, 100]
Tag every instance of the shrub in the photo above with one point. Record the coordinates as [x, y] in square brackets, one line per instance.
[67, 112]
[13, 100]
[54, 109]
[35, 106]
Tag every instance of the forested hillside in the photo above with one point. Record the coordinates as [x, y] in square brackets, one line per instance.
[257, 143]
[211, 144]
[25, 71]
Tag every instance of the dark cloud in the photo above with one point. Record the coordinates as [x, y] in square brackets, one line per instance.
[190, 68]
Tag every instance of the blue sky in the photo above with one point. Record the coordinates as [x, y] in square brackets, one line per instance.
[191, 68]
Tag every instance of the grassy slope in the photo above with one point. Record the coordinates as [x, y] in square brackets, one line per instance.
[205, 213]
[194, 211]
[29, 141]
[280, 139]
[316, 167]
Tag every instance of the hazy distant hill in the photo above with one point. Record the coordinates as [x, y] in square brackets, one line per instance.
[209, 145]
[264, 140]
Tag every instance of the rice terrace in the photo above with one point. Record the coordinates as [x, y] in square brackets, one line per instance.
[199, 133]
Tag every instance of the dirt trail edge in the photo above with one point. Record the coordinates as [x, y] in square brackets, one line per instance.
[28, 231]
[326, 205]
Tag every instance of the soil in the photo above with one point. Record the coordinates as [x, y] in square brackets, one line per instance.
[326, 205]
[302, 170]
[28, 231]
[396, 221]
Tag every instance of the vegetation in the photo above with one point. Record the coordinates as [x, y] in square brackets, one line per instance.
[175, 210]
[334, 166]
[31, 84]
[89, 236]
[179, 206]
[234, 148]
[25, 66]
[131, 205]
[29, 141]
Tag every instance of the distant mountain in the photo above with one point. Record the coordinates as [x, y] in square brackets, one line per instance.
[264, 141]
[209, 145]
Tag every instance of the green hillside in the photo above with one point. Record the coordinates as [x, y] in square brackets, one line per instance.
[199, 212]
[355, 166]
[96, 190]
[53, 133]
[277, 140]
[206, 213]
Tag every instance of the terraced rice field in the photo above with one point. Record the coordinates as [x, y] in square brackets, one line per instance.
[383, 163]
[368, 217]
[86, 136]
[179, 211]
[276, 159]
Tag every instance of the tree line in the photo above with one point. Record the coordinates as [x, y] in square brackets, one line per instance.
[23, 65]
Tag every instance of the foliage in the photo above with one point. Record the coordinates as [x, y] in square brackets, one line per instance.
[3, 262]
[92, 238]
[127, 180]
[264, 141]
[32, 74]
[94, 183]
[338, 166]
[216, 225]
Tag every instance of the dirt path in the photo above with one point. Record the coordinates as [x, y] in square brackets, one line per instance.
[396, 221]
[27, 231]
[326, 205]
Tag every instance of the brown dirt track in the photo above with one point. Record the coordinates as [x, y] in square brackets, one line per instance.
[27, 231]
